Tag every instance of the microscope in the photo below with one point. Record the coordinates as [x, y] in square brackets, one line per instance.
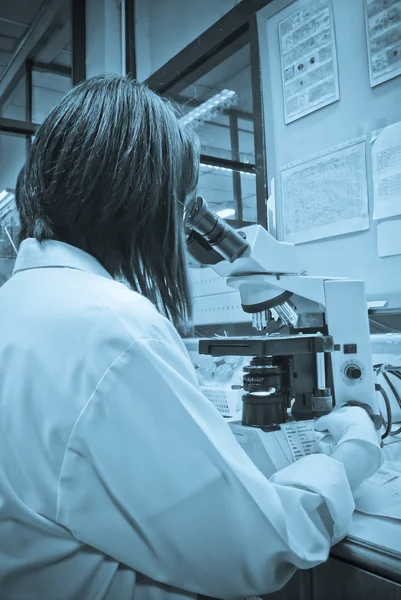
[323, 359]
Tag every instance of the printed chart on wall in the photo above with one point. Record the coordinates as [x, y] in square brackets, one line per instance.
[325, 194]
[386, 171]
[308, 60]
[383, 34]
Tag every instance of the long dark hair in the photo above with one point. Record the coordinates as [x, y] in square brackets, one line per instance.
[109, 171]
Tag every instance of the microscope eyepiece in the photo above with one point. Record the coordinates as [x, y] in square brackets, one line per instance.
[215, 231]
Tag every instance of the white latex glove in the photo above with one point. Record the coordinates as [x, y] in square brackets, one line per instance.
[352, 423]
[349, 423]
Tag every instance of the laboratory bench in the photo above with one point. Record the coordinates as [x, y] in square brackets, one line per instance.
[364, 566]
[359, 568]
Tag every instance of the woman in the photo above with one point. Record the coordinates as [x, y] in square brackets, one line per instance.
[118, 479]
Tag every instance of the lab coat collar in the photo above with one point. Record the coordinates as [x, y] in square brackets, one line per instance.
[51, 253]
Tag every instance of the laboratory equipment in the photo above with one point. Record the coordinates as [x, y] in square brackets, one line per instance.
[323, 355]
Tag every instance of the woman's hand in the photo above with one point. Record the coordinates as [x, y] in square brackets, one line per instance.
[358, 443]
[349, 422]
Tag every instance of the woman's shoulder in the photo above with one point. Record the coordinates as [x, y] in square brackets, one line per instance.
[131, 313]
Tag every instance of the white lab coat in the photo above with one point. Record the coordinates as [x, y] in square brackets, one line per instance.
[118, 479]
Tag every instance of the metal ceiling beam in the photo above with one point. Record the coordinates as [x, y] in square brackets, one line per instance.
[196, 70]
[28, 98]
[16, 127]
[56, 43]
[259, 124]
[26, 49]
[226, 163]
[12, 22]
[130, 50]
[235, 155]
[212, 41]
[51, 68]
[78, 11]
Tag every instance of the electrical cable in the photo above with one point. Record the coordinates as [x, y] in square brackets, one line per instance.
[383, 392]
[391, 386]
[384, 370]
[391, 367]
[396, 394]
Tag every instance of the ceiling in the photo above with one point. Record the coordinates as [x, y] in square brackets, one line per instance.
[15, 18]
[18, 18]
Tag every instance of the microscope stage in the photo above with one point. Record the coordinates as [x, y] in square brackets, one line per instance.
[274, 345]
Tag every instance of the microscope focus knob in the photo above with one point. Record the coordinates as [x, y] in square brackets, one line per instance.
[353, 372]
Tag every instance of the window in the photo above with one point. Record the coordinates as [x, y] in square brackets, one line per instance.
[28, 93]
[220, 106]
[12, 158]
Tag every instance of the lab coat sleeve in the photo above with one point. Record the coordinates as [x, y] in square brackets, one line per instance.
[153, 476]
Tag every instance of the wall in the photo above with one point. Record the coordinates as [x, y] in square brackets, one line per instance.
[103, 37]
[164, 27]
[360, 110]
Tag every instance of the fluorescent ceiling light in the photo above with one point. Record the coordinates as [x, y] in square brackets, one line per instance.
[226, 169]
[208, 109]
[7, 198]
[7, 204]
[227, 212]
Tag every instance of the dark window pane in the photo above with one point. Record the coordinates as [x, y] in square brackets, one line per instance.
[219, 106]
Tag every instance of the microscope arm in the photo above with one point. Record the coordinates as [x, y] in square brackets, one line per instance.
[266, 273]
